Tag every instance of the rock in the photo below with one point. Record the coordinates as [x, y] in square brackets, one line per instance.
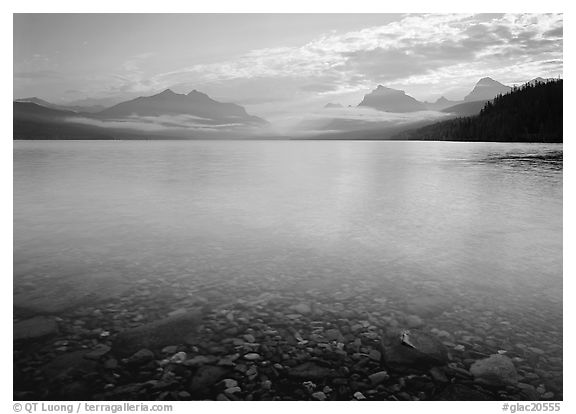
[460, 392]
[98, 352]
[230, 383]
[141, 357]
[158, 334]
[310, 370]
[200, 360]
[496, 370]
[184, 394]
[206, 376]
[548, 395]
[70, 291]
[252, 356]
[249, 338]
[178, 358]
[375, 355]
[378, 377]
[170, 349]
[526, 392]
[359, 396]
[426, 351]
[320, 396]
[72, 363]
[334, 335]
[232, 390]
[302, 308]
[34, 328]
[439, 375]
[413, 321]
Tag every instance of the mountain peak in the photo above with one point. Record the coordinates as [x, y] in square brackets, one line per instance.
[196, 92]
[391, 100]
[487, 89]
[383, 90]
[167, 92]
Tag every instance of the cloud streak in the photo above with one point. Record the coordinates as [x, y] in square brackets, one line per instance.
[403, 53]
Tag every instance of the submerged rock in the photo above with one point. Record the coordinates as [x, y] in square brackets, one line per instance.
[48, 297]
[496, 370]
[310, 370]
[97, 352]
[141, 357]
[417, 351]
[34, 328]
[156, 335]
[206, 376]
[302, 308]
[459, 392]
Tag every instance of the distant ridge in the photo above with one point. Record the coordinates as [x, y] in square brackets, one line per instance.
[195, 104]
[74, 108]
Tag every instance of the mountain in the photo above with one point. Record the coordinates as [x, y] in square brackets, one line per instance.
[391, 100]
[466, 108]
[485, 89]
[531, 113]
[74, 108]
[196, 104]
[333, 105]
[33, 121]
[441, 103]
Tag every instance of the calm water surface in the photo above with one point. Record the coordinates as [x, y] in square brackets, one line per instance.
[481, 223]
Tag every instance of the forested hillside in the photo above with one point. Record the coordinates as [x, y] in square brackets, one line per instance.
[531, 113]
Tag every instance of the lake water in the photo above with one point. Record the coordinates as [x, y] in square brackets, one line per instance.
[476, 225]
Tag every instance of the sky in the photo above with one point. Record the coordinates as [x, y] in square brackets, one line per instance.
[278, 63]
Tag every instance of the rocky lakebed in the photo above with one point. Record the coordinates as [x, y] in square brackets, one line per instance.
[177, 340]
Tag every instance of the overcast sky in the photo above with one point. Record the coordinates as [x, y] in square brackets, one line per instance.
[278, 62]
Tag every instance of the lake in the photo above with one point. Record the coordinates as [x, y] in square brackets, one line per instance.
[461, 240]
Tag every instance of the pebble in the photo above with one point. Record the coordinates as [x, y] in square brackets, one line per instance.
[178, 358]
[230, 383]
[320, 396]
[98, 352]
[378, 377]
[170, 349]
[252, 356]
[232, 390]
[359, 396]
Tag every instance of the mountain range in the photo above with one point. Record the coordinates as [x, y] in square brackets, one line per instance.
[196, 115]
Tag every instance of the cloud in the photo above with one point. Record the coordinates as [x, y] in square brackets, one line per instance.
[347, 119]
[169, 123]
[38, 75]
[416, 47]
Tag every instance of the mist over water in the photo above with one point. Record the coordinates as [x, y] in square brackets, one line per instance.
[477, 223]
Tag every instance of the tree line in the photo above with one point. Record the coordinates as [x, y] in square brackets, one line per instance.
[530, 113]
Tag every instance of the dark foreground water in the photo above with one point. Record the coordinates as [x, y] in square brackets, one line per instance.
[299, 252]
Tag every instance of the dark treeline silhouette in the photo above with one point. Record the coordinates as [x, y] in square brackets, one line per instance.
[531, 113]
